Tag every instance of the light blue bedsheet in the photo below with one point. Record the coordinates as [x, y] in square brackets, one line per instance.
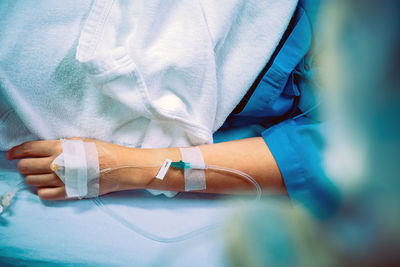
[36, 232]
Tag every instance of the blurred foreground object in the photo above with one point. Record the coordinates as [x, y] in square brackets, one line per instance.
[359, 64]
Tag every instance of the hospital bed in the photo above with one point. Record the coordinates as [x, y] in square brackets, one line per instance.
[125, 228]
[64, 233]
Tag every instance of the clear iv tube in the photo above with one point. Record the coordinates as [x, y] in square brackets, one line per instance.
[107, 170]
[178, 238]
[149, 235]
[211, 167]
[6, 199]
[242, 174]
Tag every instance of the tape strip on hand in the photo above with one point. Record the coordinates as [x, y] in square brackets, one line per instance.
[78, 168]
[195, 179]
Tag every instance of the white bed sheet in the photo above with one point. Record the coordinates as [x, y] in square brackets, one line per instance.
[40, 233]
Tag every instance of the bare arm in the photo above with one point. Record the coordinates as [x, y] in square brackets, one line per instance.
[251, 156]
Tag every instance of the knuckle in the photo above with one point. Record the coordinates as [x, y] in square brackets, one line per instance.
[26, 147]
[58, 181]
[42, 194]
[52, 180]
[58, 147]
[29, 179]
[54, 148]
[22, 166]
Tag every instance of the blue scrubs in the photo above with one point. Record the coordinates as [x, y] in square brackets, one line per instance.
[282, 107]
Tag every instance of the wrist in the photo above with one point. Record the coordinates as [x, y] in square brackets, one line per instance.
[151, 160]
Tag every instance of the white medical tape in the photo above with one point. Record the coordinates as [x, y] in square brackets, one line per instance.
[78, 168]
[75, 168]
[195, 179]
[93, 170]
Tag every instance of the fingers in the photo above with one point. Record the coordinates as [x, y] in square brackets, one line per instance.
[34, 149]
[39, 174]
[35, 159]
[50, 187]
[44, 180]
[55, 193]
[35, 165]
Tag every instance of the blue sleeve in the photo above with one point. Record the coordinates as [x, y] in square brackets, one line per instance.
[284, 101]
[297, 142]
[297, 146]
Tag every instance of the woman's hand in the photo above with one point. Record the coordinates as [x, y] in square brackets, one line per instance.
[35, 158]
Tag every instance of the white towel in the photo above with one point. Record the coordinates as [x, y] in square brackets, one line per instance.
[154, 73]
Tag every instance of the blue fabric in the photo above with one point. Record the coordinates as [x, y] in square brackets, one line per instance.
[284, 102]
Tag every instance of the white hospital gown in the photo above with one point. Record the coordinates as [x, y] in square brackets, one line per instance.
[144, 73]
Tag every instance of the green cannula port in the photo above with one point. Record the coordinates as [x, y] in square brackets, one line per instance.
[180, 164]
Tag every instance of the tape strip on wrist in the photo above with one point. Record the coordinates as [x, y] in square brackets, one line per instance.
[78, 167]
[195, 179]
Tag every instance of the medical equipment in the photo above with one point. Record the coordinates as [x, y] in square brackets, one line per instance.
[195, 177]
[150, 235]
[72, 166]
[186, 165]
[79, 163]
[6, 199]
[78, 168]
[182, 165]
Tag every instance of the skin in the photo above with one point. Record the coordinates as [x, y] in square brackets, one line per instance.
[251, 156]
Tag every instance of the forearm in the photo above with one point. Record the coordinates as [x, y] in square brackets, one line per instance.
[251, 156]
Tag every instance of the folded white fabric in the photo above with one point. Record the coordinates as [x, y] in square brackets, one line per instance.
[152, 73]
[183, 65]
